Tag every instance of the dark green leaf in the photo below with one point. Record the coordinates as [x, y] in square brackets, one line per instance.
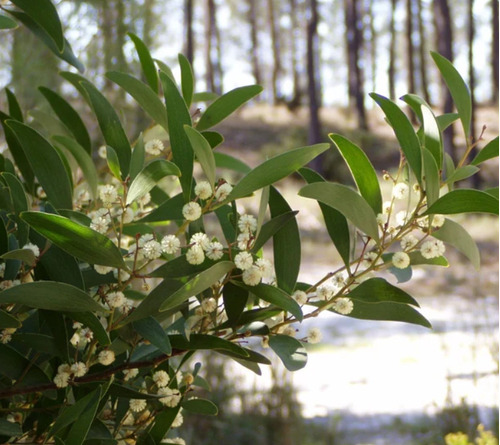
[346, 201]
[213, 137]
[148, 178]
[178, 116]
[200, 406]
[152, 331]
[203, 153]
[17, 194]
[222, 107]
[235, 300]
[376, 290]
[43, 344]
[89, 320]
[405, 133]
[46, 164]
[361, 169]
[198, 284]
[336, 223]
[206, 342]
[187, 79]
[489, 151]
[137, 160]
[168, 211]
[290, 351]
[118, 390]
[83, 159]
[458, 89]
[445, 120]
[462, 173]
[147, 63]
[286, 244]
[464, 201]
[25, 255]
[8, 321]
[110, 126]
[79, 241]
[416, 259]
[493, 191]
[7, 23]
[275, 169]
[223, 160]
[69, 117]
[432, 181]
[179, 268]
[145, 97]
[15, 111]
[271, 227]
[9, 429]
[81, 426]
[162, 423]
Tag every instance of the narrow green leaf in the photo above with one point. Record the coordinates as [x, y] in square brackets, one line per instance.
[76, 80]
[50, 295]
[489, 151]
[152, 331]
[44, 13]
[16, 190]
[205, 96]
[200, 406]
[170, 210]
[83, 160]
[46, 164]
[147, 63]
[276, 296]
[270, 228]
[47, 124]
[458, 90]
[66, 54]
[137, 160]
[15, 111]
[89, 320]
[25, 255]
[179, 268]
[81, 426]
[110, 126]
[213, 137]
[403, 129]
[79, 241]
[9, 429]
[462, 173]
[165, 68]
[286, 244]
[275, 169]
[290, 351]
[222, 107]
[464, 201]
[336, 223]
[449, 165]
[178, 116]
[361, 169]
[445, 120]
[69, 117]
[206, 342]
[455, 235]
[235, 300]
[432, 181]
[43, 344]
[346, 201]
[416, 259]
[148, 178]
[8, 321]
[493, 191]
[187, 79]
[376, 290]
[118, 390]
[433, 139]
[198, 284]
[145, 97]
[162, 423]
[223, 160]
[203, 153]
[7, 23]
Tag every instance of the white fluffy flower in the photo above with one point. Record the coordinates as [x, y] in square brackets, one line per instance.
[129, 374]
[265, 266]
[115, 299]
[300, 297]
[191, 211]
[102, 270]
[314, 335]
[145, 199]
[343, 306]
[121, 274]
[325, 292]
[106, 357]
[79, 369]
[247, 223]
[61, 380]
[100, 224]
[170, 244]
[243, 240]
[102, 152]
[432, 249]
[108, 195]
[209, 304]
[178, 421]
[243, 260]
[400, 190]
[171, 398]
[86, 335]
[200, 239]
[33, 248]
[161, 378]
[252, 276]
[223, 192]
[137, 405]
[127, 215]
[6, 335]
[339, 280]
[195, 255]
[401, 218]
[144, 239]
[289, 331]
[400, 260]
[382, 218]
[386, 207]
[408, 242]
[64, 368]
[75, 339]
[203, 190]
[437, 221]
[154, 147]
[176, 440]
[215, 250]
[152, 250]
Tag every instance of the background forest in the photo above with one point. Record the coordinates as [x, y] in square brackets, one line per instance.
[317, 60]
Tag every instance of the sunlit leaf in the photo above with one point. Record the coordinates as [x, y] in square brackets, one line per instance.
[7, 23]
[489, 151]
[147, 63]
[376, 290]
[223, 160]
[464, 201]
[432, 182]
[203, 153]
[200, 406]
[291, 351]
[187, 79]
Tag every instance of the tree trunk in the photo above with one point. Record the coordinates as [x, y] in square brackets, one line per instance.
[312, 87]
[106, 24]
[444, 39]
[422, 54]
[392, 53]
[472, 77]
[209, 24]
[188, 30]
[252, 19]
[275, 50]
[410, 48]
[296, 95]
[355, 74]
[494, 50]
[372, 44]
[219, 74]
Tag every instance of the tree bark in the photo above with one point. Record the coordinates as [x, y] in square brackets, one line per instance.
[254, 55]
[422, 51]
[372, 44]
[392, 53]
[188, 30]
[494, 50]
[472, 77]
[355, 74]
[410, 48]
[296, 95]
[444, 39]
[275, 50]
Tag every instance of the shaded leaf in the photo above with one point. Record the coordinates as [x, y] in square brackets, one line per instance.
[7, 23]
[152, 331]
[377, 290]
[489, 151]
[78, 432]
[223, 160]
[270, 228]
[147, 63]
[9, 429]
[187, 79]
[137, 159]
[464, 201]
[462, 173]
[8, 321]
[291, 352]
[432, 181]
[200, 406]
[235, 300]
[203, 153]
[206, 342]
[25, 255]
[168, 211]
[14, 108]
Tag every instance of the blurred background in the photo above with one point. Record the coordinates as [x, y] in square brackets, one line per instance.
[367, 382]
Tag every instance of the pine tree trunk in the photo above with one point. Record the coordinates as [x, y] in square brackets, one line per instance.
[392, 52]
[494, 50]
[422, 54]
[188, 30]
